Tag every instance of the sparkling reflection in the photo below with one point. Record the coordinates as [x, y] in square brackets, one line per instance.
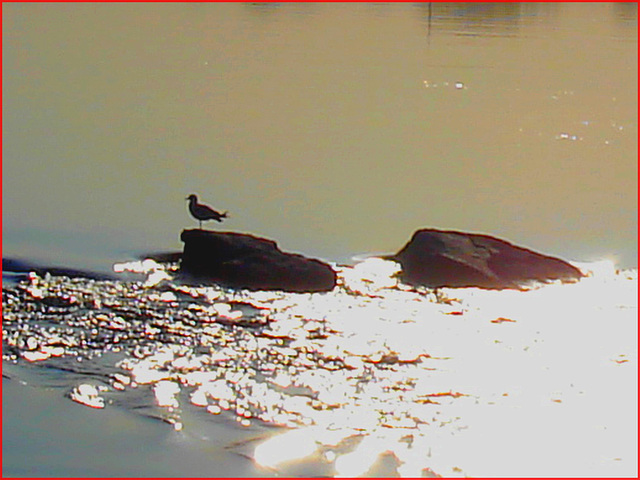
[373, 376]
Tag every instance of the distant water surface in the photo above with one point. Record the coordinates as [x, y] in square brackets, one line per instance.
[333, 128]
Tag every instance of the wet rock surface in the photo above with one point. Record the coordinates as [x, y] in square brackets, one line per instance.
[437, 258]
[245, 261]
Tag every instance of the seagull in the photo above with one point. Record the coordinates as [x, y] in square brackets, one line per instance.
[203, 212]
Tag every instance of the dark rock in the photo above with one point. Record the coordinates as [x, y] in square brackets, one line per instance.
[162, 257]
[14, 265]
[244, 261]
[437, 258]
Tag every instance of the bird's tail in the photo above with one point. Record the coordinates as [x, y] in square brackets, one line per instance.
[224, 214]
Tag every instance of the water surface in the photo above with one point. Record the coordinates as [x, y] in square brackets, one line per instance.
[333, 128]
[373, 378]
[337, 130]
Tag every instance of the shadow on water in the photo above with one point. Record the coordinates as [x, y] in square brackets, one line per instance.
[45, 435]
[463, 18]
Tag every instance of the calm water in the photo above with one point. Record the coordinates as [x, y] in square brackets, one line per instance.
[337, 130]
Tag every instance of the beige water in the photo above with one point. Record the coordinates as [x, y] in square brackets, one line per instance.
[335, 129]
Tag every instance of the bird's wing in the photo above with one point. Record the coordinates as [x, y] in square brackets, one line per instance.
[209, 211]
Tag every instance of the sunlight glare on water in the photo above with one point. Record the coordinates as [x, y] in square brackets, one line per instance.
[539, 378]
[372, 375]
[332, 129]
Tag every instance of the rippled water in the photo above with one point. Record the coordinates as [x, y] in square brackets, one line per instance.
[332, 128]
[374, 377]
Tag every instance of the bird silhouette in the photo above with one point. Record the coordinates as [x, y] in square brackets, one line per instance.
[203, 212]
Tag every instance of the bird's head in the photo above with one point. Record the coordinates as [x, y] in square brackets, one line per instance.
[192, 198]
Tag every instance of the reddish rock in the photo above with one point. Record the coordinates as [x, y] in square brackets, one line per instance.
[438, 258]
